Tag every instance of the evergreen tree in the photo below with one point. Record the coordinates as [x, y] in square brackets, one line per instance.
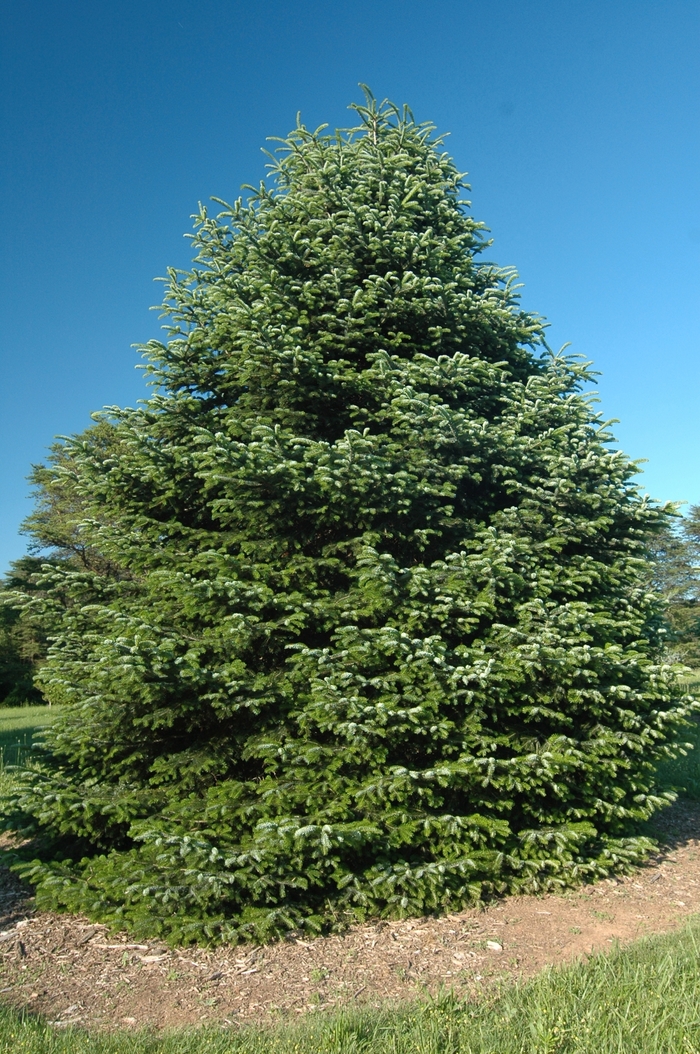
[371, 630]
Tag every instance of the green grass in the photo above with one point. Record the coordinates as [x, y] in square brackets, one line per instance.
[644, 1000]
[18, 724]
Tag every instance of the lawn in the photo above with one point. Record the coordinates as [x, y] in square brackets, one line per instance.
[18, 724]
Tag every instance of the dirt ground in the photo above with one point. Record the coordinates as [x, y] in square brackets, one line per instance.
[73, 972]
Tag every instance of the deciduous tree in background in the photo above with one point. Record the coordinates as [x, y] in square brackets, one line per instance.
[31, 607]
[20, 646]
[676, 553]
[371, 629]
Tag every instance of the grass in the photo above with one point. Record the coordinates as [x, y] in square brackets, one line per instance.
[18, 725]
[643, 1000]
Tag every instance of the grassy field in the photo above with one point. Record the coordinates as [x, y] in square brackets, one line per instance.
[18, 725]
[644, 1000]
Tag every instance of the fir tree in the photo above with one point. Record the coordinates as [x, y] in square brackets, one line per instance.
[371, 629]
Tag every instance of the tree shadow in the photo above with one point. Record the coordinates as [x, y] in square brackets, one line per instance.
[675, 827]
[16, 897]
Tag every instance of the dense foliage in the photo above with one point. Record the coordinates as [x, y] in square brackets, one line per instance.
[22, 644]
[56, 541]
[367, 626]
[676, 553]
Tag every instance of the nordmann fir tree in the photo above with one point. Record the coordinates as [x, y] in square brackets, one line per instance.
[371, 633]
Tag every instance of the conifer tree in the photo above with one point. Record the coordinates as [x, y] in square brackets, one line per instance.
[371, 629]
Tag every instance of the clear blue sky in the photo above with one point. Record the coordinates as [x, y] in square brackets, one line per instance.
[576, 119]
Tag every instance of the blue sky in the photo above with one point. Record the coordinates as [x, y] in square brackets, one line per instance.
[577, 121]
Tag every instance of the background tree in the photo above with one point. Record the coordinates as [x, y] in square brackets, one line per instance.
[370, 630]
[21, 648]
[29, 612]
[676, 552]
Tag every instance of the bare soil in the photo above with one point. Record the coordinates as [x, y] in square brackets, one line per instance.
[73, 972]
